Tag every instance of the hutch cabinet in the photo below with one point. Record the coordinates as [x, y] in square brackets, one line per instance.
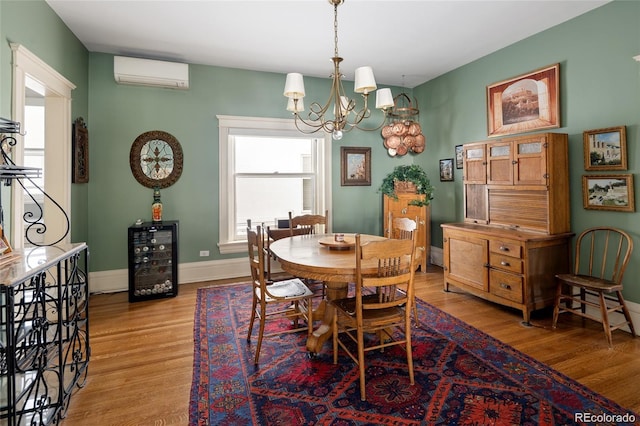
[44, 332]
[516, 232]
[402, 207]
[153, 260]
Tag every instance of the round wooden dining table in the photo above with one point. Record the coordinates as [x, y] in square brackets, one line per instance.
[318, 257]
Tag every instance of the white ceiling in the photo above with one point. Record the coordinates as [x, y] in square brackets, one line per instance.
[420, 39]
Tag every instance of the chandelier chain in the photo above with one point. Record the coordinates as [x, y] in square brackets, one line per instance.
[335, 29]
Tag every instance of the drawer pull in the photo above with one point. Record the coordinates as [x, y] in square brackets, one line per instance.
[503, 263]
[505, 286]
[503, 248]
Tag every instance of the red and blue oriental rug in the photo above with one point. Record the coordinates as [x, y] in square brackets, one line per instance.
[462, 377]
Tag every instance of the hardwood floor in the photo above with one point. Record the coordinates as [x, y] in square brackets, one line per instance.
[142, 353]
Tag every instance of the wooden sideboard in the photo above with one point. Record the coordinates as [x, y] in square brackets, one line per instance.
[512, 268]
[516, 233]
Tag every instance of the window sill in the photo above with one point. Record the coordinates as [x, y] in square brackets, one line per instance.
[232, 247]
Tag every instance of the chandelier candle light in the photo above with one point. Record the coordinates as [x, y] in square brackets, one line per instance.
[340, 105]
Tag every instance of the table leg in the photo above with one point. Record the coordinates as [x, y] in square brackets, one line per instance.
[335, 290]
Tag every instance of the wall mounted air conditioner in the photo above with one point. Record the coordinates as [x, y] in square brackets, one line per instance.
[148, 72]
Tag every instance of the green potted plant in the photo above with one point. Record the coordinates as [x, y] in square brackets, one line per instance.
[408, 178]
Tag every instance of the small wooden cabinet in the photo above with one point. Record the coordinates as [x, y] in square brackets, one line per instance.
[508, 267]
[402, 207]
[516, 236]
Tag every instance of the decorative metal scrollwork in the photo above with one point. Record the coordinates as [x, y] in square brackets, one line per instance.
[10, 172]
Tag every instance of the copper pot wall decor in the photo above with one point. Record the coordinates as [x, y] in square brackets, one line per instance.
[404, 134]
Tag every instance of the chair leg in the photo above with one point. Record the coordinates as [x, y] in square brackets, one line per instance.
[409, 351]
[335, 338]
[253, 315]
[605, 319]
[363, 390]
[556, 305]
[263, 311]
[415, 312]
[626, 313]
[309, 317]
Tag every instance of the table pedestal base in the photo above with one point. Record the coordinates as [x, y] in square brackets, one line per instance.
[335, 290]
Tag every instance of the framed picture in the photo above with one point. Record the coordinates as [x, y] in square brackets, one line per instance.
[605, 149]
[446, 170]
[80, 149]
[524, 103]
[608, 192]
[459, 156]
[355, 166]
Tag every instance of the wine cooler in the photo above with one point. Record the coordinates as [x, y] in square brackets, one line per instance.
[153, 260]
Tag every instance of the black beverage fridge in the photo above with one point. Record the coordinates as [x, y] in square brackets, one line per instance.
[153, 260]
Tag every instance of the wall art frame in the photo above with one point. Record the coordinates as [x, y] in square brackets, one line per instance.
[355, 166]
[80, 149]
[524, 103]
[446, 170]
[608, 192]
[459, 151]
[605, 149]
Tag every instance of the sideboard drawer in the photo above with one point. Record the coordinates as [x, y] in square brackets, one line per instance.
[501, 261]
[506, 285]
[506, 247]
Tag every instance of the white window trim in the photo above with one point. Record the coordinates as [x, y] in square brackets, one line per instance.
[225, 123]
[58, 142]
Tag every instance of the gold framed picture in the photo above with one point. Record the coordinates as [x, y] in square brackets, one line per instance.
[605, 149]
[524, 103]
[608, 192]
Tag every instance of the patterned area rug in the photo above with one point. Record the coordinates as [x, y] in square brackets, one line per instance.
[462, 377]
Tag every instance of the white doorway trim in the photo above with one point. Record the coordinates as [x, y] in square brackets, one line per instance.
[57, 142]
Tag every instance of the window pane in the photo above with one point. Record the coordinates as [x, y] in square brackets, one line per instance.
[265, 199]
[269, 155]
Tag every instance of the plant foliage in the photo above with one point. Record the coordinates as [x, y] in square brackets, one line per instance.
[408, 173]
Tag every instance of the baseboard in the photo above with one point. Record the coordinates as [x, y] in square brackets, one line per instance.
[118, 280]
[436, 256]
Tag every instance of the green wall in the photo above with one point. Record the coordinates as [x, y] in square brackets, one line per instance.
[599, 87]
[119, 113]
[34, 25]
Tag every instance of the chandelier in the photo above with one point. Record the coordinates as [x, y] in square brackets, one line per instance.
[339, 114]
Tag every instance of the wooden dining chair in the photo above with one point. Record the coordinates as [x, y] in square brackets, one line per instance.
[403, 228]
[601, 257]
[381, 304]
[309, 223]
[272, 300]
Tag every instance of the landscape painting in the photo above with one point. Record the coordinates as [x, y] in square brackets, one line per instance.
[605, 149]
[608, 192]
[524, 103]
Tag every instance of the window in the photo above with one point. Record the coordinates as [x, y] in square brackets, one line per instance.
[268, 168]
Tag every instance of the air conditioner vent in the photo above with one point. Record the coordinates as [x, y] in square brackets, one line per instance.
[148, 72]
